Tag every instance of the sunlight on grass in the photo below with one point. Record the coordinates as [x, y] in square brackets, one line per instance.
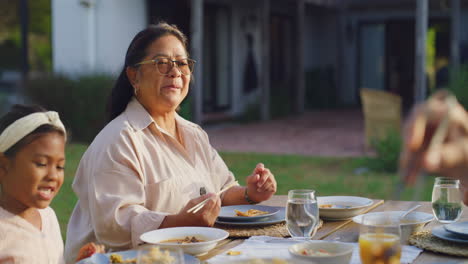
[328, 176]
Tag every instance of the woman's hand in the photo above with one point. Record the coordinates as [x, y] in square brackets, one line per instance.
[261, 184]
[206, 216]
[7, 260]
[450, 159]
[88, 250]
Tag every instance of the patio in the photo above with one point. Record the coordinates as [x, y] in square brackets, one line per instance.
[337, 133]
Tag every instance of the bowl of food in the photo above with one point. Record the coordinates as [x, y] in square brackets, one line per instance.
[411, 223]
[322, 252]
[192, 240]
[262, 261]
[341, 207]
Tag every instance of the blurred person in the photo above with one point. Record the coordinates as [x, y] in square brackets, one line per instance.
[32, 160]
[149, 165]
[450, 159]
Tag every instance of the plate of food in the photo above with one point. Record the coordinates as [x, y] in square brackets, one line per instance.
[276, 218]
[130, 256]
[342, 207]
[192, 240]
[246, 212]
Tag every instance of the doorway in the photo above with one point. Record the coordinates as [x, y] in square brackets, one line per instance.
[217, 88]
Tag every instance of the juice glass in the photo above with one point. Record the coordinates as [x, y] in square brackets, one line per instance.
[379, 240]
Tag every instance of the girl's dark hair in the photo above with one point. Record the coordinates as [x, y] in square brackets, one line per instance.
[122, 91]
[18, 111]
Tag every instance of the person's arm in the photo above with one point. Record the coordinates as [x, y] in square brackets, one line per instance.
[449, 159]
[117, 202]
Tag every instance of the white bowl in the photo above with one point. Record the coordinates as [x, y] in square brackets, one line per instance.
[340, 252]
[263, 261]
[348, 206]
[413, 222]
[210, 237]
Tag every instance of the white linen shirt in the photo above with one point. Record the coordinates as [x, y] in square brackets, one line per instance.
[134, 174]
[26, 243]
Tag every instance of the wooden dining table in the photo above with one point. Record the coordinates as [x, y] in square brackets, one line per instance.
[348, 231]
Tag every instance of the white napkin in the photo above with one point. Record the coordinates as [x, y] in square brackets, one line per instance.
[258, 247]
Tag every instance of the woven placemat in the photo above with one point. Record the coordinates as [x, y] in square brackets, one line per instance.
[425, 240]
[276, 230]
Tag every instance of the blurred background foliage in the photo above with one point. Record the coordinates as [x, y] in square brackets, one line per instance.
[40, 31]
[458, 84]
[81, 102]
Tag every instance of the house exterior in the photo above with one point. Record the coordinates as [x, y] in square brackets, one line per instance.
[278, 56]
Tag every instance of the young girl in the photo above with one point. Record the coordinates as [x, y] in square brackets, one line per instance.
[32, 160]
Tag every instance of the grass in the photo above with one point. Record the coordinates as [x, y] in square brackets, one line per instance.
[328, 176]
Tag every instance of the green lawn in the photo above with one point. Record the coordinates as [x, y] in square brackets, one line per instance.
[328, 176]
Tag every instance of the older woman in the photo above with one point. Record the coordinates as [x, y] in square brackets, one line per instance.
[148, 166]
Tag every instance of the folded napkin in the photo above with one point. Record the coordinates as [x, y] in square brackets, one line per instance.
[273, 247]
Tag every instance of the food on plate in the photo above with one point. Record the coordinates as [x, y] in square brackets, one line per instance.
[264, 261]
[186, 240]
[315, 252]
[334, 206]
[116, 258]
[250, 212]
[233, 253]
[155, 255]
[408, 221]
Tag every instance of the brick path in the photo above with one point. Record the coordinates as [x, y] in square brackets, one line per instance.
[338, 133]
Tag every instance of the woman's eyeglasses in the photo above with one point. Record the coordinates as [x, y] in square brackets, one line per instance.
[165, 65]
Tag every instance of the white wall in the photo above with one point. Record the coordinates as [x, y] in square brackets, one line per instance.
[95, 38]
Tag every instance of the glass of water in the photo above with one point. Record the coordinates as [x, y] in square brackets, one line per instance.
[446, 200]
[302, 214]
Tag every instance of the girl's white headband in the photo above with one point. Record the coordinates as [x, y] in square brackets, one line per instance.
[25, 125]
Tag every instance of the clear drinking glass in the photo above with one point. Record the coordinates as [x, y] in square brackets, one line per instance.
[379, 239]
[446, 200]
[302, 214]
[151, 254]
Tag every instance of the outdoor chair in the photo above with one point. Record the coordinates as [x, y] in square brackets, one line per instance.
[382, 114]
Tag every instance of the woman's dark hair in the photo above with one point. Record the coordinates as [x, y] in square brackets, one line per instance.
[122, 91]
[18, 111]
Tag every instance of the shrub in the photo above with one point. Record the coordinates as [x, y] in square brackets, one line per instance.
[387, 152]
[80, 102]
[458, 84]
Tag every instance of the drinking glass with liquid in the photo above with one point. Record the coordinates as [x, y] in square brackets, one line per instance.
[447, 200]
[302, 213]
[379, 239]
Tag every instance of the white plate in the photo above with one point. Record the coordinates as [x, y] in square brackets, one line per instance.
[414, 221]
[460, 229]
[274, 219]
[129, 254]
[441, 233]
[228, 212]
[211, 237]
[347, 206]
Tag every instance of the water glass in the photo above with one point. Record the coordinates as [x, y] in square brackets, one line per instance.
[151, 254]
[379, 239]
[447, 200]
[302, 214]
